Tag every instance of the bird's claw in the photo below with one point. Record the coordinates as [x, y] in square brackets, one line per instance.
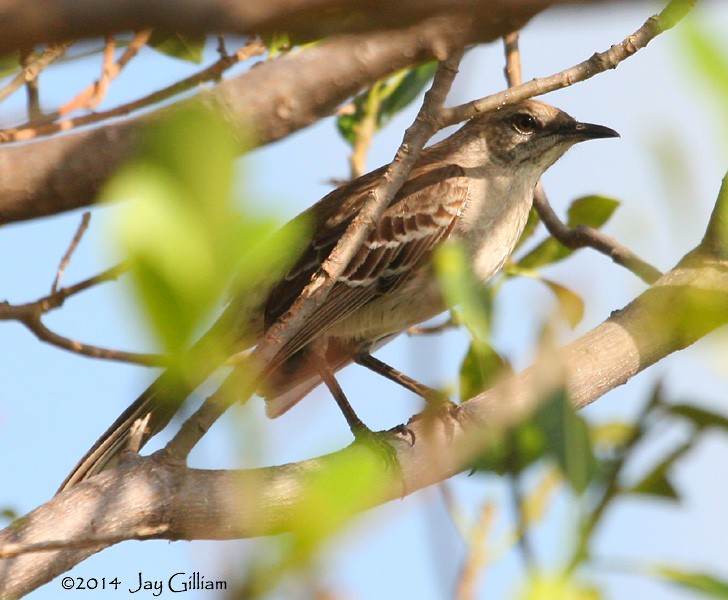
[378, 442]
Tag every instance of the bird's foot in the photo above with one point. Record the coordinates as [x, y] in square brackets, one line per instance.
[381, 443]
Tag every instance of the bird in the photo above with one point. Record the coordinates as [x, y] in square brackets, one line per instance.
[476, 186]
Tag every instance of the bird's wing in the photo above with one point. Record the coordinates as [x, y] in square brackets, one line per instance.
[422, 214]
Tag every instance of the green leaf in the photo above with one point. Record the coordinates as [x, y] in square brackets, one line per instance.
[570, 303]
[592, 211]
[385, 99]
[481, 368]
[699, 417]
[180, 230]
[9, 514]
[401, 91]
[461, 289]
[328, 499]
[708, 57]
[657, 482]
[543, 587]
[277, 43]
[705, 584]
[178, 45]
[612, 435]
[567, 440]
[553, 431]
[9, 64]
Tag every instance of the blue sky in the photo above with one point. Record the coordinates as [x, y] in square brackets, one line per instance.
[53, 404]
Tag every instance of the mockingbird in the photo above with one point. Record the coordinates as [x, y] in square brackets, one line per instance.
[476, 186]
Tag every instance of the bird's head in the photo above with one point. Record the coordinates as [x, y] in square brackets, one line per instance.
[531, 134]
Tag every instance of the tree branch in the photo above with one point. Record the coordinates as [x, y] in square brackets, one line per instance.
[598, 63]
[584, 236]
[31, 314]
[232, 504]
[38, 21]
[266, 103]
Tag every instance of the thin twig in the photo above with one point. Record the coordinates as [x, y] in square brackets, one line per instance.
[584, 236]
[27, 58]
[477, 557]
[222, 47]
[31, 315]
[214, 72]
[426, 123]
[598, 63]
[82, 227]
[581, 236]
[364, 131]
[92, 96]
[33, 322]
[241, 383]
[59, 297]
[33, 68]
[512, 69]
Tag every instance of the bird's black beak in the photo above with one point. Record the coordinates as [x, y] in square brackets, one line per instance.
[590, 131]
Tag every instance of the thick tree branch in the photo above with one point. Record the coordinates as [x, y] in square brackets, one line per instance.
[281, 96]
[269, 102]
[39, 21]
[144, 493]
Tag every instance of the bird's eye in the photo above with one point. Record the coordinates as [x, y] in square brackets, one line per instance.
[524, 123]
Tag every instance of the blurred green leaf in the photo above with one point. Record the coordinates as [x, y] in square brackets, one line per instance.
[9, 514]
[592, 211]
[557, 588]
[461, 289]
[708, 58]
[329, 498]
[556, 431]
[700, 583]
[657, 482]
[402, 89]
[178, 45]
[277, 43]
[567, 440]
[9, 64]
[181, 231]
[612, 435]
[699, 417]
[481, 368]
[571, 305]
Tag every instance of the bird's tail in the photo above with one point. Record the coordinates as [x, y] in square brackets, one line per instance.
[154, 401]
[161, 400]
[289, 383]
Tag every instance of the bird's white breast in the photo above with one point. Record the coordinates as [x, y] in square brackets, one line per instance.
[493, 220]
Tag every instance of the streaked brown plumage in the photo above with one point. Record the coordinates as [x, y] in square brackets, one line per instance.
[477, 185]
